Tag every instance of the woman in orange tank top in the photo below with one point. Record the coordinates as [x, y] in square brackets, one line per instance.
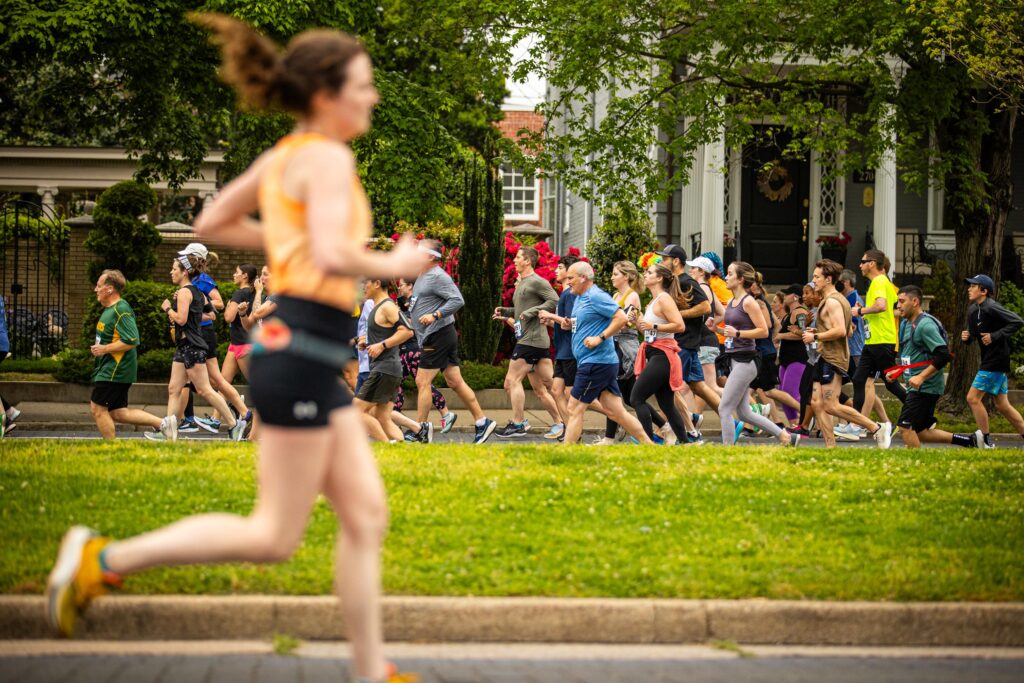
[315, 218]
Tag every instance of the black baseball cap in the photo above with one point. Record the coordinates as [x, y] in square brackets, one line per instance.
[673, 251]
[983, 281]
[795, 289]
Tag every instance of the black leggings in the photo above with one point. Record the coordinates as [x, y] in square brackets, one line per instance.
[626, 388]
[654, 381]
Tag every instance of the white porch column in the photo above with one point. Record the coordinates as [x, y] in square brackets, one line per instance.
[885, 195]
[713, 215]
[47, 193]
[691, 202]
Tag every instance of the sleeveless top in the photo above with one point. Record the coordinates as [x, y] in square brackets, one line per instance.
[792, 350]
[707, 337]
[738, 318]
[286, 235]
[837, 351]
[387, 363]
[649, 316]
[188, 334]
[765, 346]
[626, 329]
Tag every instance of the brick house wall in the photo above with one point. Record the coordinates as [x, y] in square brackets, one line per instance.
[510, 126]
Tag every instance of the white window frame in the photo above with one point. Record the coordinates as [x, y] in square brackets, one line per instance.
[535, 215]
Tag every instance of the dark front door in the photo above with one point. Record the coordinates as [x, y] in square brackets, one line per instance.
[774, 201]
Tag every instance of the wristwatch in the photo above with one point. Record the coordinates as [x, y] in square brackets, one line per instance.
[655, 328]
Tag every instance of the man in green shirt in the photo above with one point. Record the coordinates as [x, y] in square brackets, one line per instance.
[116, 359]
[880, 337]
[923, 341]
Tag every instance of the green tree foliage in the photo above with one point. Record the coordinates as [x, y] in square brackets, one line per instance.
[624, 234]
[481, 261]
[119, 239]
[138, 75]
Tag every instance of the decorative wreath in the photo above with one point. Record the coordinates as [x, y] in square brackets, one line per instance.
[768, 182]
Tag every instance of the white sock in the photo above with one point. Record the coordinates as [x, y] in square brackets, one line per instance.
[481, 422]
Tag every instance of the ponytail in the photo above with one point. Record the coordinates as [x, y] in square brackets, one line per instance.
[266, 78]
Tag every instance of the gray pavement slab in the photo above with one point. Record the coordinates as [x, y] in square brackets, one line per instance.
[446, 663]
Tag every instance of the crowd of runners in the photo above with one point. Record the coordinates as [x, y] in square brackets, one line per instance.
[710, 337]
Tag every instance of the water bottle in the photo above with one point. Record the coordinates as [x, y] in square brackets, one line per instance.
[728, 343]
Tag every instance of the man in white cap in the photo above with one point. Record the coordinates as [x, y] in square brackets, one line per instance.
[435, 299]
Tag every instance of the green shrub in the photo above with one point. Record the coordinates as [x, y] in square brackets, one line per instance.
[940, 285]
[624, 235]
[75, 366]
[155, 365]
[1012, 298]
[33, 366]
[119, 239]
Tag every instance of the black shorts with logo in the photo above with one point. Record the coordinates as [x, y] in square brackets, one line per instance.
[440, 349]
[565, 369]
[379, 388]
[825, 372]
[110, 395]
[767, 374]
[290, 390]
[531, 354]
[918, 411]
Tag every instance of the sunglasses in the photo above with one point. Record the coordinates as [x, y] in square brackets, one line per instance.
[866, 260]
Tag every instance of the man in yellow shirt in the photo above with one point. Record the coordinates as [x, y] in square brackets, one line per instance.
[880, 337]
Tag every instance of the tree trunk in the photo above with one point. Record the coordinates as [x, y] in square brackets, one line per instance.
[978, 199]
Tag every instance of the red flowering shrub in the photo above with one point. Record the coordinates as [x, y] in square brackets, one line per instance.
[546, 265]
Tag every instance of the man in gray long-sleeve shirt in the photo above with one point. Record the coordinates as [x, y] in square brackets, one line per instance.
[435, 299]
[533, 294]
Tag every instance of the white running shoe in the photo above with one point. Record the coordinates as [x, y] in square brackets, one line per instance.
[169, 427]
[602, 441]
[883, 437]
[846, 432]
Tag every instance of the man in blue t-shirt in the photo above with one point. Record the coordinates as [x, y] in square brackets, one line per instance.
[595, 320]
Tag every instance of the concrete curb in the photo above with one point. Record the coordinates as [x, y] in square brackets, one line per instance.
[441, 619]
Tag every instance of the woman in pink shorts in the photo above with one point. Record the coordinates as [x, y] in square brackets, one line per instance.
[237, 357]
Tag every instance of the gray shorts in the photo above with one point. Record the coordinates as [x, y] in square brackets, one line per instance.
[707, 354]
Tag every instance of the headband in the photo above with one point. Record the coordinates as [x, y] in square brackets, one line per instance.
[185, 263]
[433, 252]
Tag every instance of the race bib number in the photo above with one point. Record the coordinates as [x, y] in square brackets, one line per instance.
[518, 327]
[904, 361]
[650, 336]
[728, 342]
[574, 325]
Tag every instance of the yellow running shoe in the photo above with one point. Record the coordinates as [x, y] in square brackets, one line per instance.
[392, 676]
[76, 578]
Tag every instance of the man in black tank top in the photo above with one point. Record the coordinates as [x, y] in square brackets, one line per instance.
[386, 330]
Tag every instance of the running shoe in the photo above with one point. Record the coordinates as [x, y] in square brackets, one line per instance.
[698, 420]
[693, 439]
[846, 432]
[238, 431]
[882, 436]
[426, 434]
[188, 426]
[988, 441]
[448, 421]
[512, 430]
[209, 424]
[154, 435]
[484, 431]
[669, 436]
[739, 430]
[620, 433]
[799, 432]
[12, 415]
[604, 441]
[169, 427]
[76, 578]
[555, 431]
[411, 436]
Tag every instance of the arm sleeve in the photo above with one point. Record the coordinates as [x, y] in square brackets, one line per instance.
[1011, 321]
[546, 292]
[507, 311]
[453, 297]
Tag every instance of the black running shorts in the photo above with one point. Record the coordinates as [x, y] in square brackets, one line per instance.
[565, 369]
[531, 354]
[379, 388]
[918, 411]
[110, 395]
[440, 349]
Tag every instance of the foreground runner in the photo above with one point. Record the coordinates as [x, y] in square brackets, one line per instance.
[315, 219]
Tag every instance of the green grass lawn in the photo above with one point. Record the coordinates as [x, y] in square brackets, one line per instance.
[851, 524]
